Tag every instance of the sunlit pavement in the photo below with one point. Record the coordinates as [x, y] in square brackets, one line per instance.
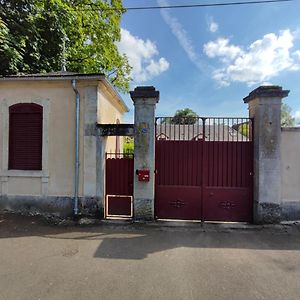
[40, 261]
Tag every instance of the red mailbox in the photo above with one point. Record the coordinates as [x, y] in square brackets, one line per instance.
[143, 175]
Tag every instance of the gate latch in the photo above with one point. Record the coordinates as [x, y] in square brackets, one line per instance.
[143, 175]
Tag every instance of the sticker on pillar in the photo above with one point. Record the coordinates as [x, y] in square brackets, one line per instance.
[143, 128]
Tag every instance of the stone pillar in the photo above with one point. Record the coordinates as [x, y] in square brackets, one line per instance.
[93, 156]
[145, 99]
[265, 107]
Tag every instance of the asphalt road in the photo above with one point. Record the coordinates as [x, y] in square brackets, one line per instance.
[39, 261]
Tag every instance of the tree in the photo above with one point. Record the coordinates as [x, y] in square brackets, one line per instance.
[244, 129]
[184, 116]
[9, 55]
[128, 145]
[37, 35]
[286, 118]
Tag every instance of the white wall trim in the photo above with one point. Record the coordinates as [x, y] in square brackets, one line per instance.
[23, 173]
[5, 172]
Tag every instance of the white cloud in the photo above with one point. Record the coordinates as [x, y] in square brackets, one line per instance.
[297, 54]
[212, 25]
[156, 67]
[141, 55]
[259, 62]
[221, 48]
[180, 33]
[266, 83]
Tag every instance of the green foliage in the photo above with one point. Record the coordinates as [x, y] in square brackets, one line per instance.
[184, 116]
[128, 145]
[244, 129]
[286, 118]
[36, 35]
[9, 55]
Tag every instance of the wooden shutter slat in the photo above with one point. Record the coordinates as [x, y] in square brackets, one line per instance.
[25, 136]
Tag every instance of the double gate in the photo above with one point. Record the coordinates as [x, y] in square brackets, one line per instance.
[204, 169]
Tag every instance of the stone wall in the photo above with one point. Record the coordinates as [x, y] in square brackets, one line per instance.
[290, 168]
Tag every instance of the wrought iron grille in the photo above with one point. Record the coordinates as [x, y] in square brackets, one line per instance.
[214, 129]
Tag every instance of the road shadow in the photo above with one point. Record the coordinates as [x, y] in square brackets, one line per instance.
[139, 247]
[136, 242]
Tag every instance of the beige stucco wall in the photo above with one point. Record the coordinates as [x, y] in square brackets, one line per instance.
[59, 169]
[108, 113]
[58, 100]
[290, 160]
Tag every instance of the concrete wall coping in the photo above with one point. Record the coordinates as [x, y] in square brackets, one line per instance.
[270, 91]
[53, 77]
[297, 129]
[144, 92]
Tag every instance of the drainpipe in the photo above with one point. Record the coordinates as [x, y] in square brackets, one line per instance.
[76, 181]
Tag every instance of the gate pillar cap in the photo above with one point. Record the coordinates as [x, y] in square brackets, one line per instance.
[144, 92]
[270, 91]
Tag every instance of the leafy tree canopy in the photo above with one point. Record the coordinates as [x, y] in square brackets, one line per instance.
[37, 35]
[128, 145]
[244, 129]
[185, 116]
[286, 118]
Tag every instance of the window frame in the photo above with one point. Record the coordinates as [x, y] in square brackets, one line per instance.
[4, 109]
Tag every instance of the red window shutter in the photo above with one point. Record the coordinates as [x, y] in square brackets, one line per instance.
[25, 136]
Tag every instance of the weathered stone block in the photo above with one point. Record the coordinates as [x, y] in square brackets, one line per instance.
[267, 213]
[291, 211]
[143, 209]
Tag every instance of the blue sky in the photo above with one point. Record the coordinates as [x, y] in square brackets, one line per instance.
[208, 59]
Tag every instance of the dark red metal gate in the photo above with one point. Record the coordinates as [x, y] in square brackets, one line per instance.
[119, 185]
[204, 169]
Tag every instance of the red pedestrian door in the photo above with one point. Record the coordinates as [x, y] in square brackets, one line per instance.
[119, 185]
[204, 169]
